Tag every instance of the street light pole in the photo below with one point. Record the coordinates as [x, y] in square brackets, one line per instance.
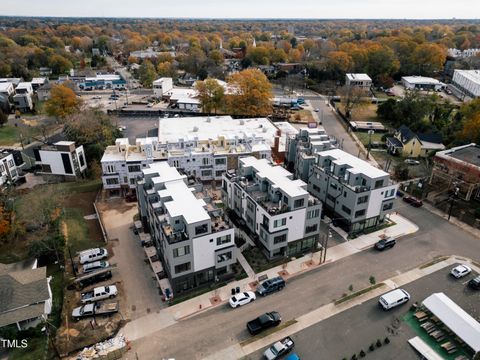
[370, 133]
[452, 201]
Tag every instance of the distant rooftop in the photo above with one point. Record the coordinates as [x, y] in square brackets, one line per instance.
[472, 75]
[359, 77]
[357, 166]
[277, 175]
[421, 80]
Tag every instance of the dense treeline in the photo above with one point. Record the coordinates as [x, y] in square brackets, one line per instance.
[329, 48]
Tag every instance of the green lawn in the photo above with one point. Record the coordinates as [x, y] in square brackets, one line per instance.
[80, 186]
[78, 236]
[364, 137]
[34, 351]
[9, 135]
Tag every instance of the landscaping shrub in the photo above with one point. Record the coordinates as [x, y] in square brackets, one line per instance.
[371, 347]
[379, 343]
[387, 340]
[362, 353]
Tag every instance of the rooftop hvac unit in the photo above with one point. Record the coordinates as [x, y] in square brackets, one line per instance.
[242, 122]
[264, 130]
[195, 128]
[208, 119]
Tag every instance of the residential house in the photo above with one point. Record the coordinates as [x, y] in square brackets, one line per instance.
[62, 160]
[25, 295]
[408, 144]
[355, 194]
[11, 164]
[162, 86]
[277, 209]
[362, 81]
[195, 244]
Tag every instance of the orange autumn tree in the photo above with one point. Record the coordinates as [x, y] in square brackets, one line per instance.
[5, 227]
[62, 102]
[250, 93]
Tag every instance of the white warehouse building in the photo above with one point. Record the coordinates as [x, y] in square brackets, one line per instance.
[468, 81]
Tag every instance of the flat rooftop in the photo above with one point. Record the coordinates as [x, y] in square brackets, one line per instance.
[183, 203]
[468, 153]
[171, 130]
[277, 175]
[472, 75]
[421, 80]
[357, 165]
[359, 77]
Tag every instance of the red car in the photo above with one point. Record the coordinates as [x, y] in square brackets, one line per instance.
[412, 201]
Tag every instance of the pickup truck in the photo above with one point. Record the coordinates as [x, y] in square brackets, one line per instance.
[98, 308]
[99, 293]
[264, 322]
[278, 349]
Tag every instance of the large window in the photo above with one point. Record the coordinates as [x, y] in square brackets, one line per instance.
[220, 161]
[311, 228]
[360, 213]
[362, 199]
[387, 206]
[224, 239]
[280, 222]
[202, 229]
[224, 257]
[112, 181]
[298, 203]
[313, 214]
[206, 172]
[280, 239]
[378, 184]
[346, 210]
[181, 251]
[134, 168]
[182, 267]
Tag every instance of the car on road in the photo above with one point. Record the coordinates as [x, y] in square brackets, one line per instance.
[96, 97]
[279, 349]
[393, 298]
[412, 162]
[474, 283]
[292, 356]
[448, 91]
[99, 293]
[149, 105]
[385, 244]
[263, 322]
[242, 299]
[95, 266]
[460, 271]
[413, 201]
[271, 285]
[316, 110]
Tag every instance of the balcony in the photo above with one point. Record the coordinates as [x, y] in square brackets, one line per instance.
[313, 201]
[274, 208]
[174, 236]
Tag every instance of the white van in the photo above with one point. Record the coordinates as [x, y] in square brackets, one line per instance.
[92, 255]
[393, 298]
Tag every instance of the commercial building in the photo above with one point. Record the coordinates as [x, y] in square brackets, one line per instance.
[468, 81]
[194, 242]
[23, 97]
[458, 167]
[421, 83]
[409, 144]
[102, 82]
[162, 86]
[277, 209]
[26, 297]
[362, 81]
[62, 160]
[11, 163]
[462, 54]
[302, 147]
[355, 194]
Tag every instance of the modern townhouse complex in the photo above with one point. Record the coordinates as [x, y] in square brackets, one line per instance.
[277, 209]
[468, 81]
[62, 160]
[355, 194]
[195, 244]
[302, 147]
[23, 97]
[11, 163]
[203, 147]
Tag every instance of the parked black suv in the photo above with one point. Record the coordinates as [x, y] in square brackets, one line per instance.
[385, 244]
[474, 283]
[271, 285]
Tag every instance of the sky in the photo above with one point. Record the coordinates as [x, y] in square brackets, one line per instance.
[318, 9]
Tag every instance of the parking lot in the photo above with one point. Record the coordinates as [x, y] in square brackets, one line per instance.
[354, 330]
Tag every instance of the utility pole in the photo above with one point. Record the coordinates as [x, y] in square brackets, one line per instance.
[452, 201]
[370, 133]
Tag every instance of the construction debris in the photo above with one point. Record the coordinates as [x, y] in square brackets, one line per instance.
[111, 349]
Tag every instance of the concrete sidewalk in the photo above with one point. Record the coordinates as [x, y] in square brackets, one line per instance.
[153, 322]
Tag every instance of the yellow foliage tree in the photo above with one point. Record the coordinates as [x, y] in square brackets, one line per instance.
[252, 93]
[62, 102]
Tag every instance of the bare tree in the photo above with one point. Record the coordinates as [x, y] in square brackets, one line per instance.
[353, 98]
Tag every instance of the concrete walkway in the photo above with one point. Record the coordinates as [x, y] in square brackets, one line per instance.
[146, 325]
[246, 266]
[331, 309]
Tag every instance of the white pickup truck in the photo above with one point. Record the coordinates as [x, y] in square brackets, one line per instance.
[99, 293]
[108, 308]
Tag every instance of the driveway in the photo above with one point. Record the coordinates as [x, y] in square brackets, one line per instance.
[141, 292]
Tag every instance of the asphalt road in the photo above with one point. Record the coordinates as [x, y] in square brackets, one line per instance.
[222, 327]
[364, 324]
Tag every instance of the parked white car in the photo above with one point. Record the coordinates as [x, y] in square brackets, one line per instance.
[412, 162]
[92, 255]
[95, 266]
[393, 298]
[460, 271]
[99, 293]
[242, 299]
